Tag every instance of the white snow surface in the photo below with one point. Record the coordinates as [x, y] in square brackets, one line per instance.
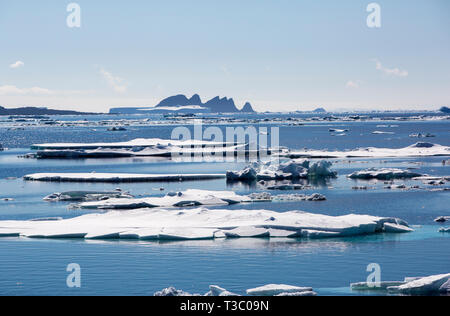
[276, 289]
[427, 285]
[384, 174]
[118, 177]
[189, 197]
[417, 150]
[198, 223]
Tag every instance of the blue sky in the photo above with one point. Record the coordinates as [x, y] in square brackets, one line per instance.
[279, 55]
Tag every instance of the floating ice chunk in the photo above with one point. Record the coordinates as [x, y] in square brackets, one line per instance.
[171, 291]
[395, 228]
[199, 223]
[248, 174]
[118, 177]
[305, 293]
[85, 196]
[179, 199]
[444, 230]
[382, 286]
[426, 285]
[215, 290]
[442, 219]
[383, 174]
[416, 150]
[275, 289]
[382, 132]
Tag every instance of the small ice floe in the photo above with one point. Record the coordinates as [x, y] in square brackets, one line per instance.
[420, 149]
[383, 174]
[381, 286]
[278, 289]
[444, 230]
[428, 285]
[198, 224]
[188, 198]
[118, 177]
[116, 129]
[382, 132]
[7, 199]
[421, 135]
[285, 187]
[336, 130]
[299, 197]
[442, 219]
[215, 290]
[290, 170]
[171, 291]
[78, 196]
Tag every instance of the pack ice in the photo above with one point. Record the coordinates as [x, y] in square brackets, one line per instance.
[420, 149]
[201, 223]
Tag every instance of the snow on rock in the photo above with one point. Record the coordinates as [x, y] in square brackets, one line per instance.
[201, 223]
[292, 169]
[427, 285]
[383, 174]
[417, 150]
[173, 199]
[276, 289]
[118, 177]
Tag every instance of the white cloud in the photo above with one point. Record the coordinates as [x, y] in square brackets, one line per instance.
[17, 64]
[390, 71]
[13, 90]
[115, 82]
[352, 84]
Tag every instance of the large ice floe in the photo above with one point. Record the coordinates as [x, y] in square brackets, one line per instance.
[290, 170]
[434, 284]
[417, 150]
[384, 174]
[118, 177]
[201, 223]
[139, 148]
[281, 290]
[187, 198]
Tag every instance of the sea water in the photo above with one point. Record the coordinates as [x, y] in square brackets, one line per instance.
[38, 267]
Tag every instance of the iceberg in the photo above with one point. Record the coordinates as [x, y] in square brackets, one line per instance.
[215, 290]
[277, 289]
[171, 291]
[383, 174]
[417, 150]
[118, 177]
[444, 230]
[290, 170]
[305, 293]
[382, 286]
[427, 285]
[201, 223]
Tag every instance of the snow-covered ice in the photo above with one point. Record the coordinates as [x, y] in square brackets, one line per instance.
[201, 223]
[118, 177]
[384, 174]
[416, 150]
[427, 285]
[276, 289]
[292, 169]
[77, 196]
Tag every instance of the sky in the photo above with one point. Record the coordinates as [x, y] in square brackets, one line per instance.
[280, 55]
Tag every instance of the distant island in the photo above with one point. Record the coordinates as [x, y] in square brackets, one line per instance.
[445, 109]
[181, 104]
[38, 111]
